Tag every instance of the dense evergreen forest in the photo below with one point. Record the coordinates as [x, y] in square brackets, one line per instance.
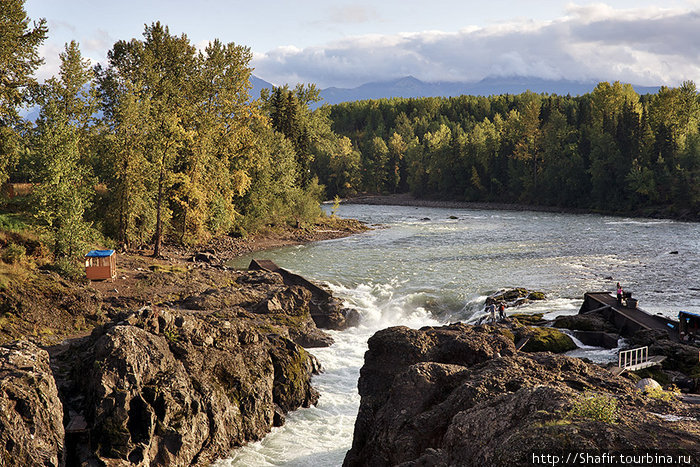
[163, 142]
[610, 150]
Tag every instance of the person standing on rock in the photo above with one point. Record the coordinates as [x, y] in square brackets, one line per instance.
[491, 310]
[502, 311]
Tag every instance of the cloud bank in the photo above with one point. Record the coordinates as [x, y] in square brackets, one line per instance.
[648, 46]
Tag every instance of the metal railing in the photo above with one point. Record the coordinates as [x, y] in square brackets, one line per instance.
[632, 357]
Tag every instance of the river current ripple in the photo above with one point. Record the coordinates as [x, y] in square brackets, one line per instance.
[429, 266]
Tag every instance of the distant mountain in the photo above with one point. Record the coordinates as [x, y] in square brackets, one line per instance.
[31, 113]
[258, 85]
[413, 87]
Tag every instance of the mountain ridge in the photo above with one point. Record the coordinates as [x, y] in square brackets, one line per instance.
[412, 87]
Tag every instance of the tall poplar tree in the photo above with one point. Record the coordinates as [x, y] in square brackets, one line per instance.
[19, 58]
[65, 185]
[158, 71]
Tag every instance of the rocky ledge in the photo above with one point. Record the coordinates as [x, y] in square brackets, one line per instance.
[179, 382]
[463, 395]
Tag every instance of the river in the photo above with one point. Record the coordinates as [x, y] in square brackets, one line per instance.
[426, 266]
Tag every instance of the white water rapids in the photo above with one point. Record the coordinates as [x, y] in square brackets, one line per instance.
[423, 267]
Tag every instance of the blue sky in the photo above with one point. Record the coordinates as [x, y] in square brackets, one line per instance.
[347, 43]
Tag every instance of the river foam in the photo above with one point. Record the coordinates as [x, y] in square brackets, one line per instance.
[321, 435]
[418, 272]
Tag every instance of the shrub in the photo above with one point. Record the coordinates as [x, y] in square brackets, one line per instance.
[14, 253]
[336, 205]
[12, 223]
[67, 268]
[669, 395]
[172, 335]
[592, 406]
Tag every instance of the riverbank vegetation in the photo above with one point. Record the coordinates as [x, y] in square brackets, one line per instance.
[611, 150]
[162, 143]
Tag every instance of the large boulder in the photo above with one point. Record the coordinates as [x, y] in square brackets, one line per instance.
[545, 339]
[179, 387]
[31, 414]
[514, 297]
[286, 310]
[133, 416]
[461, 395]
[584, 322]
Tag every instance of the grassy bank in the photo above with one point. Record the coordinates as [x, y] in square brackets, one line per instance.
[46, 302]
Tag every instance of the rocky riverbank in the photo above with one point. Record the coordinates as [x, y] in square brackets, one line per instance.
[407, 199]
[463, 395]
[186, 362]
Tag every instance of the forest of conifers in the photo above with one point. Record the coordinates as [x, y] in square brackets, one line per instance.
[610, 150]
[164, 142]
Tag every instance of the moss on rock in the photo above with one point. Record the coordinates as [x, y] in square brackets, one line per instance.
[548, 340]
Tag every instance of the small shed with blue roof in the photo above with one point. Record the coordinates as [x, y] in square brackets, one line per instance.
[101, 265]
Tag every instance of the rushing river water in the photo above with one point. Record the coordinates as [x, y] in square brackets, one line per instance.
[426, 266]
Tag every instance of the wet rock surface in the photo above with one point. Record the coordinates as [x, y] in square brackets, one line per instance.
[514, 297]
[462, 395]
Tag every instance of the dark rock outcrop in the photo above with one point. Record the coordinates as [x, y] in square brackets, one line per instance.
[584, 322]
[172, 387]
[514, 297]
[330, 314]
[207, 369]
[681, 365]
[264, 295]
[31, 414]
[461, 395]
[206, 257]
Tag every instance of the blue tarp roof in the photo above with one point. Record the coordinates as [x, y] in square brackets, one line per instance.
[99, 253]
[688, 313]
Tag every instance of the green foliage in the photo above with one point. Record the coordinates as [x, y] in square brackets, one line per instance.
[548, 340]
[64, 184]
[192, 156]
[19, 58]
[68, 268]
[172, 335]
[610, 150]
[12, 222]
[13, 253]
[593, 406]
[291, 116]
[336, 205]
[669, 395]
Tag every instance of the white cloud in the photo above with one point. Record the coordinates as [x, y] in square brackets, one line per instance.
[648, 46]
[52, 62]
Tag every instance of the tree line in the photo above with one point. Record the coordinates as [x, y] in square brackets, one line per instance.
[610, 150]
[162, 142]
